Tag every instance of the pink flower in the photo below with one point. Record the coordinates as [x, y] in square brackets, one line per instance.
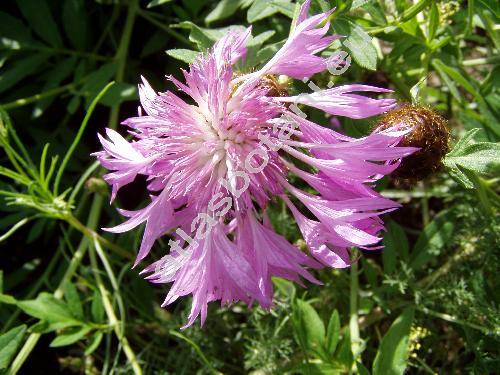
[214, 164]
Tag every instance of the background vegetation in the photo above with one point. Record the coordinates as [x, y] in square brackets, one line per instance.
[69, 301]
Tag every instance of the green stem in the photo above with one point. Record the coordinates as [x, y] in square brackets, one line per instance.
[96, 203]
[453, 319]
[197, 350]
[93, 235]
[32, 340]
[79, 135]
[31, 99]
[121, 55]
[481, 61]
[110, 312]
[14, 228]
[353, 307]
[64, 51]
[39, 283]
[165, 28]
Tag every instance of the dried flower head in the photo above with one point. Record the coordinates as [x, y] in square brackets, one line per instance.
[214, 164]
[428, 132]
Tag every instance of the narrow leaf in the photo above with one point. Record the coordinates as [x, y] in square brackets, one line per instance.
[392, 355]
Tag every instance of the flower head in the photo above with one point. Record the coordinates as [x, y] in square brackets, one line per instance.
[213, 165]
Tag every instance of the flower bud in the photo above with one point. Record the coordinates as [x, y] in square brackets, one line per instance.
[97, 185]
[428, 132]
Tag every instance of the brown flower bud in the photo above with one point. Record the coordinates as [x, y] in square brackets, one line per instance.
[429, 133]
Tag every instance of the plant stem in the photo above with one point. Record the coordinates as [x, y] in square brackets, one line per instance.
[452, 319]
[78, 136]
[165, 28]
[97, 202]
[110, 312]
[353, 307]
[93, 235]
[32, 340]
[121, 55]
[31, 99]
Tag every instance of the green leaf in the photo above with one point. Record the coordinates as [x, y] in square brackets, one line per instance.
[313, 368]
[488, 198]
[344, 355]
[395, 245]
[333, 332]
[73, 299]
[261, 9]
[362, 370]
[224, 9]
[433, 22]
[21, 69]
[392, 355]
[68, 338]
[308, 326]
[479, 157]
[358, 42]
[75, 22]
[95, 340]
[492, 6]
[433, 238]
[119, 93]
[205, 38]
[54, 77]
[155, 3]
[457, 77]
[39, 17]
[97, 308]
[47, 307]
[9, 343]
[186, 55]
[13, 28]
[96, 80]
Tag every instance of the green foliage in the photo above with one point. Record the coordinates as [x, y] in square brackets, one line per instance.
[392, 355]
[9, 342]
[69, 301]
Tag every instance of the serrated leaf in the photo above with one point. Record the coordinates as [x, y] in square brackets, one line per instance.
[433, 238]
[392, 355]
[68, 338]
[333, 332]
[39, 17]
[186, 55]
[358, 42]
[9, 342]
[478, 157]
